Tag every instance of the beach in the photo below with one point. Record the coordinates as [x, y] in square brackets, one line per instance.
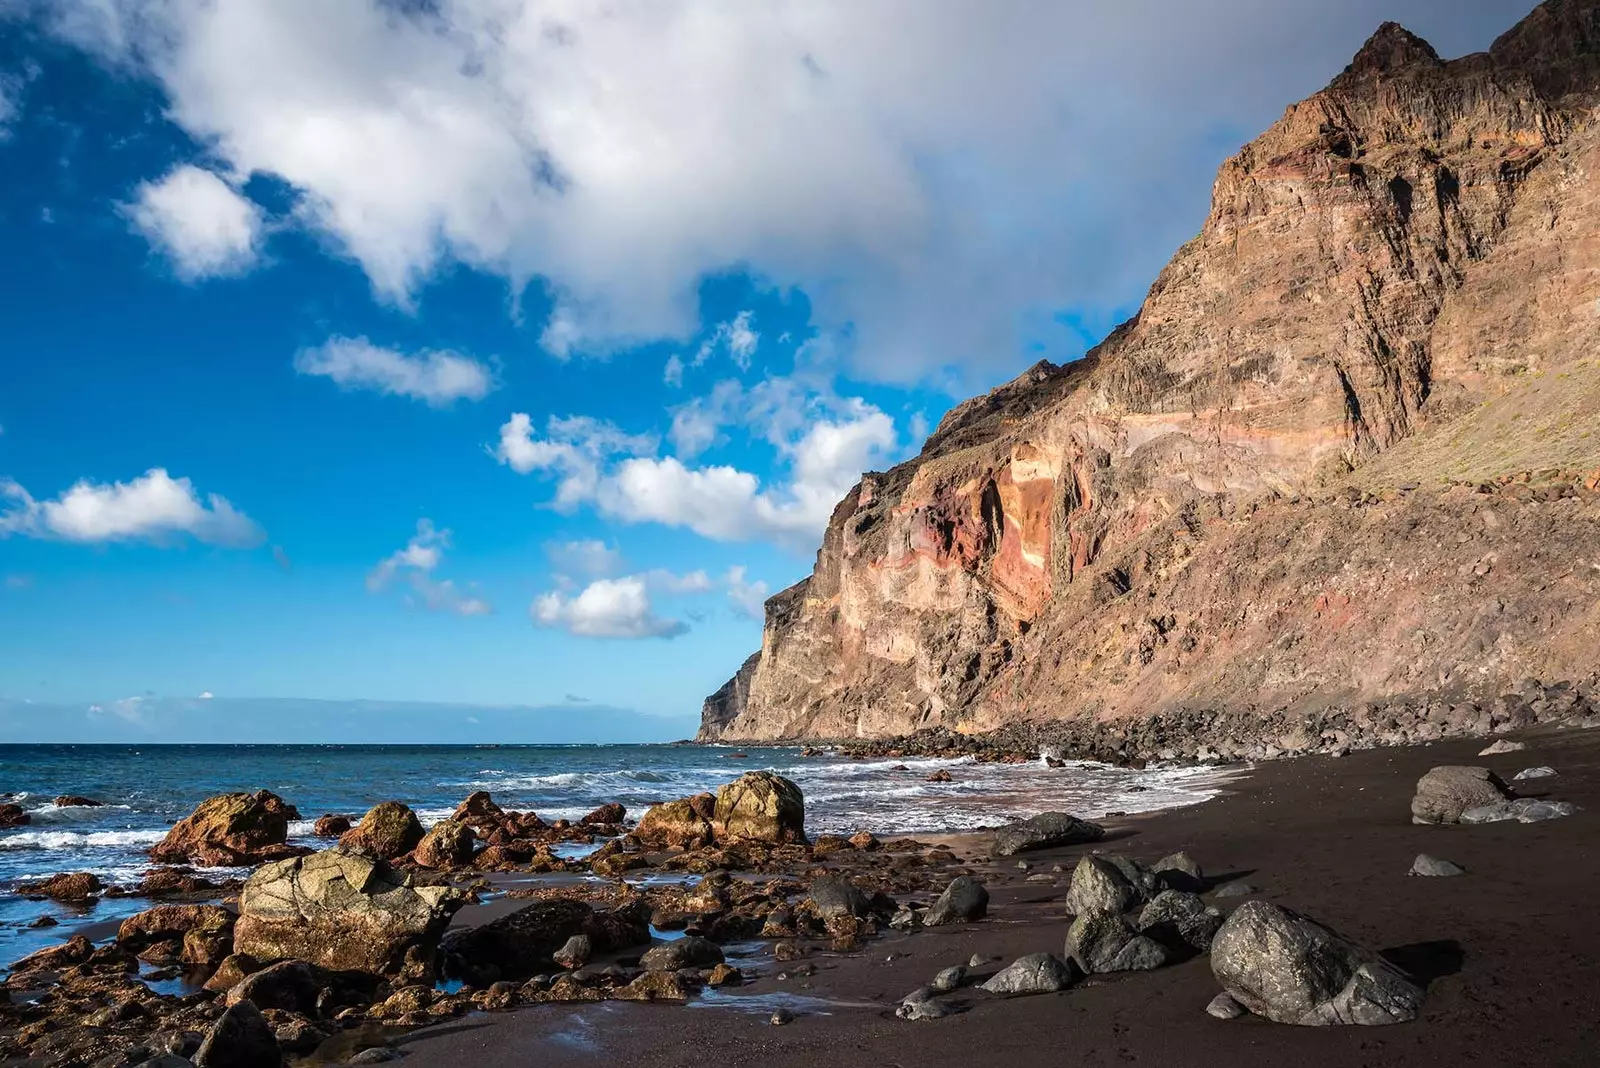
[1510, 951]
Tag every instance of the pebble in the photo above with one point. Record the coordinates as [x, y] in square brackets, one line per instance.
[1224, 1007]
[978, 960]
[781, 1017]
[1237, 890]
[948, 979]
[1540, 772]
[1426, 865]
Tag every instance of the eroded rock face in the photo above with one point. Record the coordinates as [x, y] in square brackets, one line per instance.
[1278, 458]
[230, 830]
[1291, 969]
[345, 912]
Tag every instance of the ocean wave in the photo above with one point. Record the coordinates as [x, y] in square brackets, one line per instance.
[80, 839]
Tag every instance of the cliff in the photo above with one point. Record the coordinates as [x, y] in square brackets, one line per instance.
[1349, 448]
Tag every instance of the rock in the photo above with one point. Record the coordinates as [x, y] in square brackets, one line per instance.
[1046, 830]
[942, 775]
[1445, 792]
[1237, 890]
[13, 815]
[76, 801]
[77, 886]
[332, 825]
[832, 895]
[240, 1038]
[691, 951]
[1179, 871]
[388, 831]
[290, 986]
[724, 975]
[345, 912]
[525, 942]
[447, 844]
[1178, 919]
[921, 1006]
[963, 901]
[1540, 772]
[655, 985]
[609, 813]
[780, 1017]
[1037, 973]
[948, 980]
[1099, 886]
[575, 953]
[1523, 810]
[761, 806]
[479, 812]
[1426, 865]
[1502, 746]
[1102, 942]
[205, 932]
[231, 830]
[977, 960]
[74, 950]
[231, 972]
[865, 841]
[1291, 969]
[684, 824]
[1224, 1007]
[376, 1055]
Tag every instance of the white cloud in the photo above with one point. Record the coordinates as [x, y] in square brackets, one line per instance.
[669, 582]
[201, 222]
[737, 336]
[591, 557]
[10, 104]
[672, 374]
[155, 507]
[206, 695]
[435, 377]
[606, 608]
[748, 598]
[934, 175]
[574, 449]
[416, 562]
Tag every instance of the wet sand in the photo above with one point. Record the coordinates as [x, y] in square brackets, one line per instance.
[1511, 950]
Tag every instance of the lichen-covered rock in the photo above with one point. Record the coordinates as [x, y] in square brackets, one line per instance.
[344, 911]
[1102, 942]
[1446, 792]
[447, 844]
[963, 901]
[203, 934]
[231, 830]
[389, 831]
[1289, 968]
[1044, 831]
[762, 806]
[1036, 973]
[1178, 919]
[1099, 886]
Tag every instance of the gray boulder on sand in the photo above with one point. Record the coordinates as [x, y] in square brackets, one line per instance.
[920, 1004]
[948, 979]
[1433, 866]
[344, 912]
[1102, 942]
[1224, 1007]
[1522, 809]
[1541, 772]
[1444, 793]
[1179, 871]
[832, 895]
[1177, 919]
[964, 900]
[1044, 831]
[1098, 885]
[1291, 969]
[1037, 973]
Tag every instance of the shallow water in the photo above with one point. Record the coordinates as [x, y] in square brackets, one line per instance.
[146, 788]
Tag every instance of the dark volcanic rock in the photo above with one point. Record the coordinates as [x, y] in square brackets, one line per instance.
[964, 900]
[1037, 973]
[1044, 831]
[241, 1038]
[1101, 942]
[833, 895]
[1098, 885]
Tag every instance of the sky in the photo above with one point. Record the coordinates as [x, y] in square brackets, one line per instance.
[509, 354]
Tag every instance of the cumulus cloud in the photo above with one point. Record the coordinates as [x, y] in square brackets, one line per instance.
[153, 507]
[736, 336]
[606, 608]
[749, 598]
[204, 226]
[573, 449]
[416, 563]
[206, 695]
[939, 177]
[437, 378]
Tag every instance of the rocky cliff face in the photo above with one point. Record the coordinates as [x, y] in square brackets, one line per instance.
[1347, 448]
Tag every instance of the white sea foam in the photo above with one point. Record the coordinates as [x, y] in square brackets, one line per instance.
[80, 839]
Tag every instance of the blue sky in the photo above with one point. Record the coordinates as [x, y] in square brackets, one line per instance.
[294, 293]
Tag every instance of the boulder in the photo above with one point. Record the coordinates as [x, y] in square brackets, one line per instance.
[332, 825]
[832, 895]
[1543, 771]
[1098, 885]
[231, 972]
[1102, 942]
[865, 841]
[389, 831]
[204, 933]
[1179, 921]
[479, 812]
[1446, 792]
[231, 830]
[690, 951]
[76, 801]
[345, 912]
[74, 886]
[525, 942]
[1044, 831]
[241, 1038]
[289, 986]
[447, 844]
[13, 815]
[1433, 866]
[1037, 973]
[964, 900]
[683, 824]
[575, 952]
[761, 806]
[658, 985]
[1522, 809]
[1179, 871]
[1291, 969]
[1501, 747]
[948, 979]
[607, 814]
[1224, 1007]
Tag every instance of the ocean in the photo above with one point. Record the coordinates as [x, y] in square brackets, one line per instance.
[146, 788]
